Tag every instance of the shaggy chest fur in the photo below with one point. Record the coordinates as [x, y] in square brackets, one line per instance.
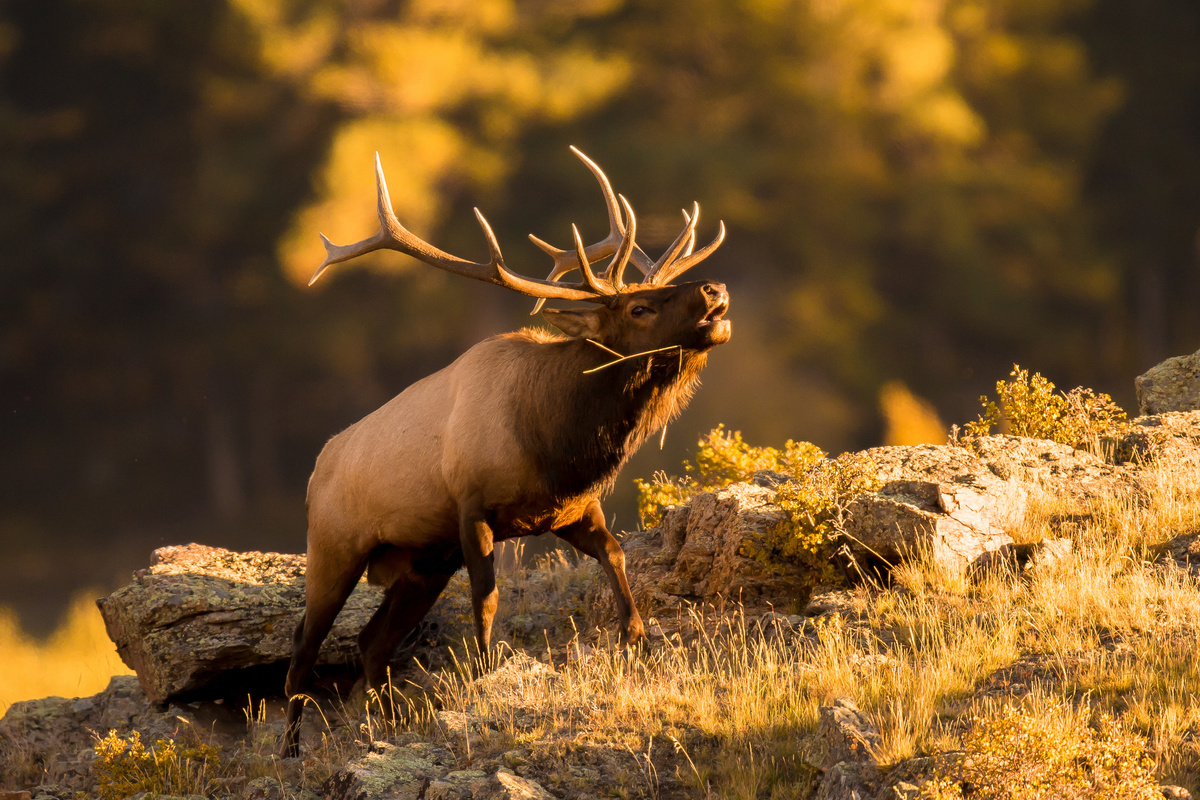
[580, 428]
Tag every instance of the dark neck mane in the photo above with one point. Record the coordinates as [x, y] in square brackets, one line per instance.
[580, 429]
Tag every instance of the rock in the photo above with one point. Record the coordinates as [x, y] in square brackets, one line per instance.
[1175, 793]
[203, 621]
[1173, 385]
[60, 724]
[952, 503]
[58, 731]
[955, 503]
[426, 771]
[703, 552]
[388, 771]
[1182, 551]
[1171, 438]
[848, 735]
[849, 769]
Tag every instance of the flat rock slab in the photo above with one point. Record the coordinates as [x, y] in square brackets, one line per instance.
[200, 617]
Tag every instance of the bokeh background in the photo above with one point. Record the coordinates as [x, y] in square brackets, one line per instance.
[918, 193]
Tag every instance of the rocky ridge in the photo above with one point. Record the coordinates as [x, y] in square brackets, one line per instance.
[203, 623]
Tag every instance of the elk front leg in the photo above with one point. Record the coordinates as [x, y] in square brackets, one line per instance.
[590, 535]
[477, 548]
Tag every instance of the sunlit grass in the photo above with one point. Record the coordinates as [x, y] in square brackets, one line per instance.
[77, 660]
[729, 706]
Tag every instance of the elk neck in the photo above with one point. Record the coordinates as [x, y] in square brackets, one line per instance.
[581, 428]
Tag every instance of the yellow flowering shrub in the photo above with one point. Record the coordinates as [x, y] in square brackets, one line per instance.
[1022, 753]
[124, 766]
[816, 503]
[722, 458]
[1034, 407]
[815, 494]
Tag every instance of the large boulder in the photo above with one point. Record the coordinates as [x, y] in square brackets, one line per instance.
[203, 621]
[703, 552]
[1173, 385]
[956, 503]
[949, 502]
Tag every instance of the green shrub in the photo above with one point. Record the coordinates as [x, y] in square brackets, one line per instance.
[124, 766]
[1033, 407]
[1021, 753]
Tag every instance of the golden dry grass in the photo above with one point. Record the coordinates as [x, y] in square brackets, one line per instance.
[77, 660]
[1102, 630]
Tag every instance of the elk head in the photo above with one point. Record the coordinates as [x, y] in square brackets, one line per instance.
[629, 318]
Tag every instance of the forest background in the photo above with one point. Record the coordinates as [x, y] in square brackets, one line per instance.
[918, 194]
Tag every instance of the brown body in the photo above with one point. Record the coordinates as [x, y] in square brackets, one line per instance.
[520, 435]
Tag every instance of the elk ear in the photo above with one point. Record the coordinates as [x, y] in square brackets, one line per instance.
[579, 323]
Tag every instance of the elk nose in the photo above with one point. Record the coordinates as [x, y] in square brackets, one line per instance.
[715, 292]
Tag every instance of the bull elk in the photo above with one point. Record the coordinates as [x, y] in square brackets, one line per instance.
[521, 435]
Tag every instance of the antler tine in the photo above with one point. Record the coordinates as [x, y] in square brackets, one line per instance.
[691, 242]
[394, 236]
[677, 247]
[690, 260]
[615, 227]
[588, 276]
[616, 267]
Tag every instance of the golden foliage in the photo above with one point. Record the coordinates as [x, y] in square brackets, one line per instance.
[124, 766]
[722, 458]
[814, 495]
[816, 505]
[1033, 407]
[77, 660]
[1025, 751]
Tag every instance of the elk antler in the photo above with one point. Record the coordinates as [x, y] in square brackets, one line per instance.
[619, 243]
[674, 262]
[394, 236]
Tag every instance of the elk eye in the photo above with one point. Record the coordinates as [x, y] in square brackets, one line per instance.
[638, 311]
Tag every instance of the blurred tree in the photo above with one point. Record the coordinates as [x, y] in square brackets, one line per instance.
[901, 178]
[922, 191]
[1145, 178]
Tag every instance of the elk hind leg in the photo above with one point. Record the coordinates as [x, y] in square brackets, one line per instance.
[415, 585]
[328, 582]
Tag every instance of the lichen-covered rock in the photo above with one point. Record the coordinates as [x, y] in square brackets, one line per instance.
[704, 552]
[849, 769]
[1170, 438]
[952, 503]
[199, 616]
[57, 732]
[1173, 385]
[55, 724]
[207, 621]
[424, 771]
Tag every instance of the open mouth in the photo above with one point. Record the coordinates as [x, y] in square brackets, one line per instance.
[715, 316]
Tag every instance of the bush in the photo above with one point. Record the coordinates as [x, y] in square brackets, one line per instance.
[721, 459]
[1021, 753]
[816, 504]
[1033, 407]
[124, 766]
[815, 495]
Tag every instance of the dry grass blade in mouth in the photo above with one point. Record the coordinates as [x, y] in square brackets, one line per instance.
[626, 358]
